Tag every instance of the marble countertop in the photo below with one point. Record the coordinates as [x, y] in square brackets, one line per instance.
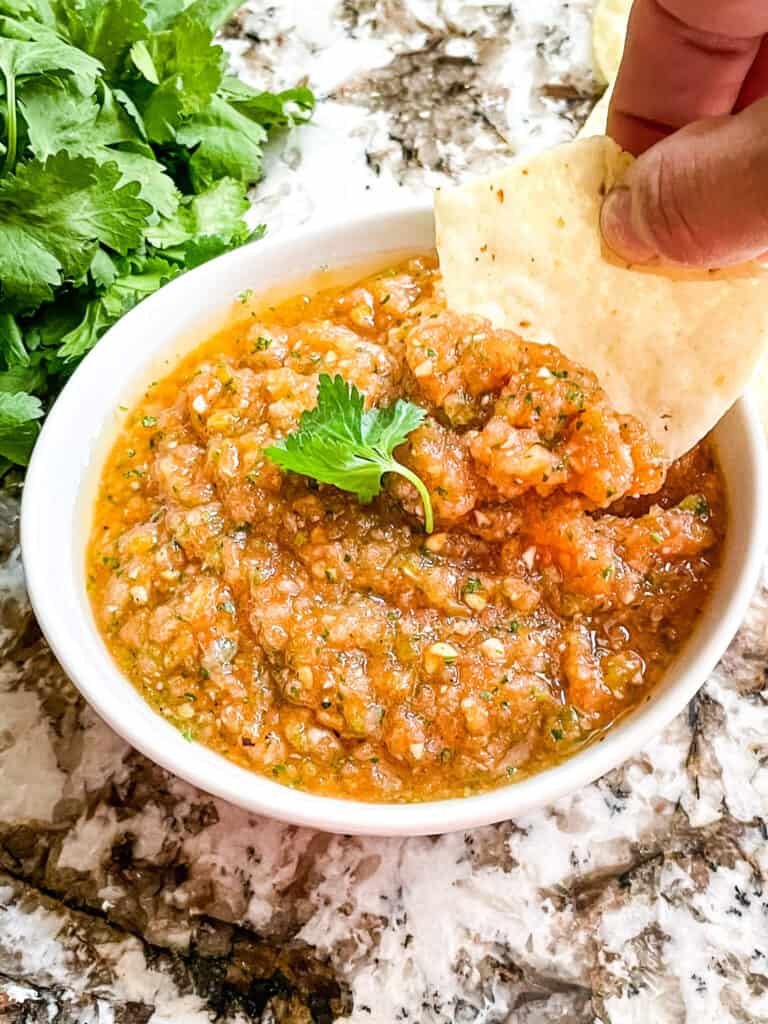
[128, 897]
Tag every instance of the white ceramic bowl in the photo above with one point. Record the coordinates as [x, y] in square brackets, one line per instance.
[82, 425]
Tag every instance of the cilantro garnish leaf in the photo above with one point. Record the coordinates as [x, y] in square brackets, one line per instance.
[339, 442]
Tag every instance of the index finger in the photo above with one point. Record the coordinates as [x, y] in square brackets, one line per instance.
[683, 60]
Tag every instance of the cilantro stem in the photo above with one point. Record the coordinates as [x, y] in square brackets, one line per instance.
[396, 467]
[10, 121]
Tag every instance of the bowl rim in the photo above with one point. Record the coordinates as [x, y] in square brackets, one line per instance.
[213, 773]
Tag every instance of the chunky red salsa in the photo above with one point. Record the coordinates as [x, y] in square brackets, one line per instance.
[338, 647]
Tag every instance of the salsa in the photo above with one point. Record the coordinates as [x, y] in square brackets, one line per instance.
[337, 646]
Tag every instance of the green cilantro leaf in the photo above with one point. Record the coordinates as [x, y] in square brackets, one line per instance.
[155, 186]
[206, 247]
[214, 13]
[217, 211]
[18, 427]
[103, 269]
[230, 134]
[122, 294]
[58, 117]
[31, 49]
[104, 28]
[37, 10]
[22, 378]
[143, 279]
[132, 111]
[142, 60]
[340, 443]
[226, 143]
[52, 216]
[269, 109]
[189, 71]
[11, 342]
[205, 226]
[81, 338]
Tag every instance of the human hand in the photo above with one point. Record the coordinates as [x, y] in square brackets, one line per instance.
[692, 97]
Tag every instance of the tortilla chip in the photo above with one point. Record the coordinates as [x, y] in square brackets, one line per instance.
[760, 390]
[523, 248]
[597, 121]
[609, 30]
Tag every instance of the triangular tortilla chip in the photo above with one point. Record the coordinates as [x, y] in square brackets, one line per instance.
[598, 118]
[523, 248]
[609, 29]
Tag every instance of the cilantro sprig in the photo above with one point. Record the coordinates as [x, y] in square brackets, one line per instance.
[340, 442]
[126, 153]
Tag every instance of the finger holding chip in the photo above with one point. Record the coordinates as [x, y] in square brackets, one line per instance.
[746, 69]
[684, 60]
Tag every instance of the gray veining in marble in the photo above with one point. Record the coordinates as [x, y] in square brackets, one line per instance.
[128, 897]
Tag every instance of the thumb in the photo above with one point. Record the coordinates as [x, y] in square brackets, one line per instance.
[698, 198]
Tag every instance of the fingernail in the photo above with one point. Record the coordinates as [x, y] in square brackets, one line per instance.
[618, 230]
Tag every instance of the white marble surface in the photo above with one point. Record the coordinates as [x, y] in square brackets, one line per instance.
[128, 897]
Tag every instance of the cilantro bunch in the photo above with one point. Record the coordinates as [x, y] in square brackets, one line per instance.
[126, 152]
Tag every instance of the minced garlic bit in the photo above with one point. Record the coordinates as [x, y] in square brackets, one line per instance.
[439, 655]
[493, 649]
